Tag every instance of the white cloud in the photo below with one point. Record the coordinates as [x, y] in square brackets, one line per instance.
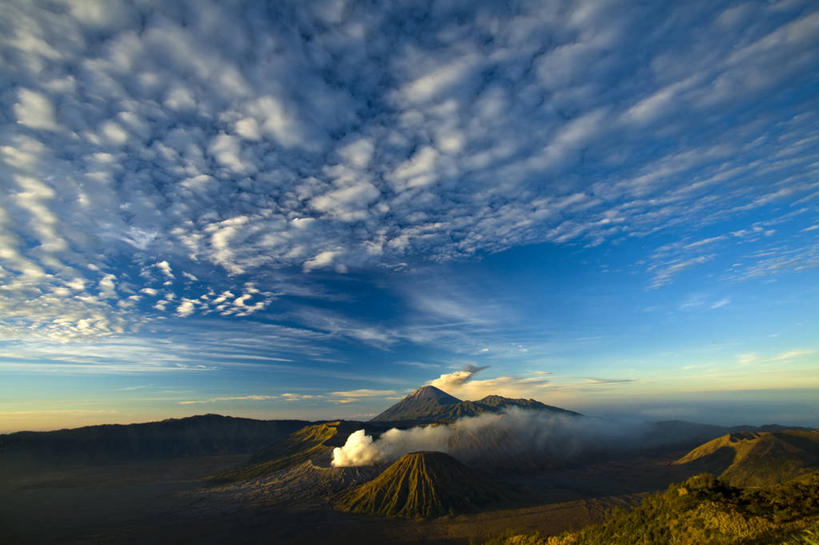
[462, 385]
[108, 286]
[186, 308]
[33, 198]
[320, 260]
[439, 79]
[364, 392]
[248, 128]
[34, 109]
[348, 203]
[180, 98]
[289, 396]
[721, 303]
[113, 132]
[417, 171]
[274, 119]
[227, 151]
[165, 267]
[665, 271]
[747, 358]
[571, 136]
[651, 107]
[358, 153]
[254, 397]
[452, 381]
[792, 354]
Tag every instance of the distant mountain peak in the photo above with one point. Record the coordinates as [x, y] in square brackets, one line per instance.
[421, 403]
[429, 404]
[495, 400]
[499, 403]
[431, 392]
[490, 398]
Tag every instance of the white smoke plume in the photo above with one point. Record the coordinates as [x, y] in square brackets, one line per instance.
[513, 437]
[464, 385]
[452, 381]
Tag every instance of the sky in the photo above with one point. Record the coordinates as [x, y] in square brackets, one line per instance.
[308, 209]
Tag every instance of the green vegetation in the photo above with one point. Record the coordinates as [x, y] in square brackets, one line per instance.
[808, 536]
[296, 448]
[758, 458]
[423, 485]
[702, 510]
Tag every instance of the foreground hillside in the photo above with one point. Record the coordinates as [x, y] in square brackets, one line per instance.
[758, 458]
[423, 485]
[703, 510]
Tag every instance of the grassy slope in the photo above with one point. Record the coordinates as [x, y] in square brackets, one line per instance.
[422, 485]
[296, 448]
[758, 458]
[703, 510]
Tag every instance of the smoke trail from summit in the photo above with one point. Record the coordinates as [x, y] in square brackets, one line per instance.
[515, 436]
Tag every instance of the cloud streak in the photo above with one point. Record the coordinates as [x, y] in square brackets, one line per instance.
[254, 397]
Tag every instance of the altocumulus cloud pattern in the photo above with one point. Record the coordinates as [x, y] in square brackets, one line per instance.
[190, 158]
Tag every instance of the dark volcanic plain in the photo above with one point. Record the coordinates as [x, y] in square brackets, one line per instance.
[168, 501]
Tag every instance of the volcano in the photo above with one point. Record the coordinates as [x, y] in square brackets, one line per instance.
[423, 485]
[420, 404]
[429, 404]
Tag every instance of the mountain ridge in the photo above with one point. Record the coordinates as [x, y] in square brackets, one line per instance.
[206, 434]
[428, 404]
[757, 458]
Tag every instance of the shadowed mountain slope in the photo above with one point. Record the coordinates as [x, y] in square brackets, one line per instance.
[500, 402]
[420, 404]
[758, 458]
[423, 485]
[429, 404]
[307, 443]
[201, 435]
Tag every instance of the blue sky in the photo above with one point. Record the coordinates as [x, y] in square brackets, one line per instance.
[308, 209]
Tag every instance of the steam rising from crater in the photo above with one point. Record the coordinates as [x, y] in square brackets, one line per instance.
[504, 438]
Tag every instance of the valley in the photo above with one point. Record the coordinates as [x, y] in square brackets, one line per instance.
[170, 502]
